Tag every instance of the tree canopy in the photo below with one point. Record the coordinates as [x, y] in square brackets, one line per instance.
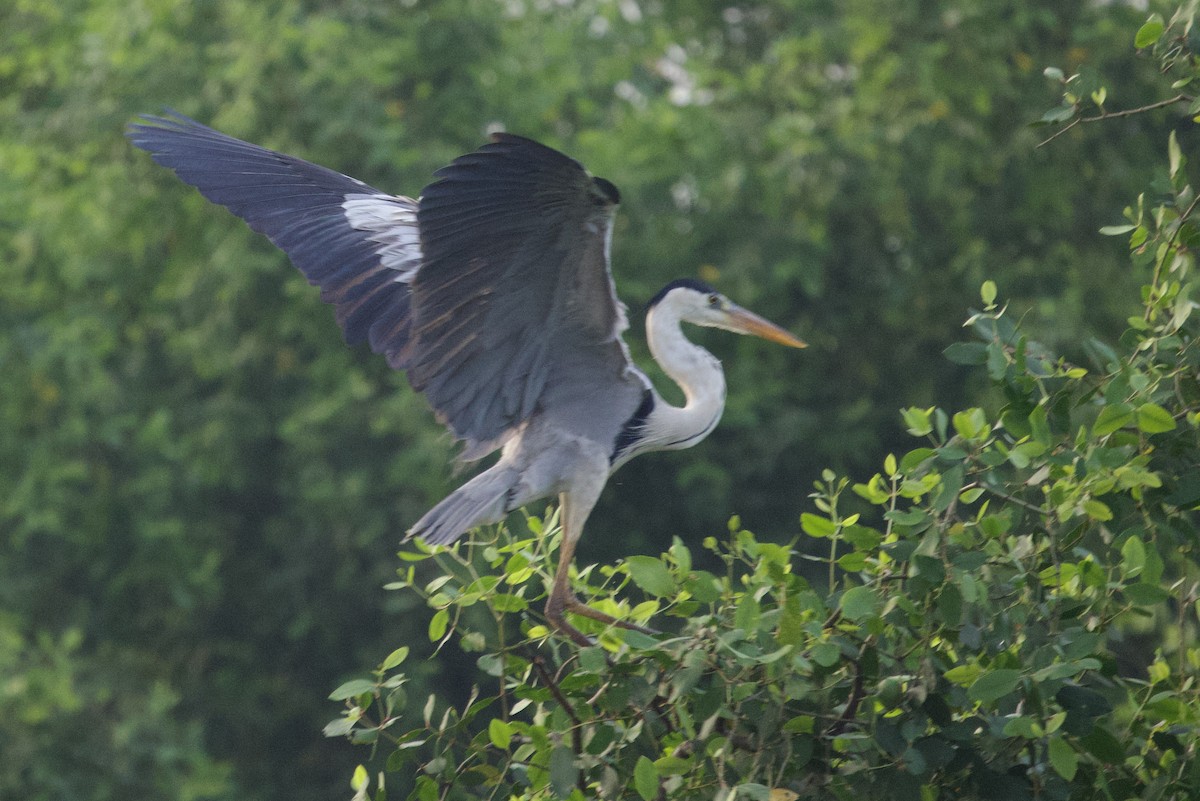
[202, 490]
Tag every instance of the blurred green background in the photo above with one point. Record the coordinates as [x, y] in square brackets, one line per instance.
[202, 489]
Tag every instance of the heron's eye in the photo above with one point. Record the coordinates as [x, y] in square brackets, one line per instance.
[714, 300]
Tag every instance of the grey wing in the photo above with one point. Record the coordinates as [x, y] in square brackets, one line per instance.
[515, 312]
[359, 245]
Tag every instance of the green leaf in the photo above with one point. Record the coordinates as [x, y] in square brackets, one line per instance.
[1023, 726]
[801, 724]
[651, 575]
[987, 293]
[1097, 510]
[592, 659]
[500, 733]
[638, 641]
[1154, 419]
[645, 779]
[395, 658]
[1116, 230]
[1021, 455]
[1133, 556]
[857, 603]
[1039, 426]
[564, 773]
[911, 460]
[1061, 670]
[967, 353]
[1102, 744]
[862, 537]
[1059, 114]
[1143, 594]
[504, 602]
[994, 685]
[969, 496]
[1063, 757]
[1112, 417]
[971, 424]
[340, 727]
[917, 421]
[359, 780]
[438, 624]
[817, 526]
[826, 654]
[949, 605]
[962, 675]
[672, 766]
[1149, 33]
[352, 688]
[852, 562]
[997, 362]
[749, 611]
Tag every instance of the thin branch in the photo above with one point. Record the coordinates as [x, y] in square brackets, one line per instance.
[856, 695]
[539, 664]
[1112, 115]
[1013, 499]
[1170, 243]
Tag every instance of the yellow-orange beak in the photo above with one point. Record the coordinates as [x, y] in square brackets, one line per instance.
[747, 322]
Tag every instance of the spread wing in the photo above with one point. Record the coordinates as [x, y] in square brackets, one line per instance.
[359, 245]
[514, 306]
[493, 291]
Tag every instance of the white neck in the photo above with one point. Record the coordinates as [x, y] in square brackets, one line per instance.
[697, 372]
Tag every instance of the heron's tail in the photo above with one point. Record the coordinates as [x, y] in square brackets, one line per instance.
[485, 499]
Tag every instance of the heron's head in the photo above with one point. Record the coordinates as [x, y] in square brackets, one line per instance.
[698, 303]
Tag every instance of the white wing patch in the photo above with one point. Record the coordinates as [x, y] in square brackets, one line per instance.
[390, 222]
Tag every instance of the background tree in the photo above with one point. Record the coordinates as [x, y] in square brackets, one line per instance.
[201, 489]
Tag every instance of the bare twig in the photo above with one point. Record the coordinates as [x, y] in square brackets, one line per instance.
[1112, 115]
[1170, 243]
[856, 696]
[539, 664]
[1015, 500]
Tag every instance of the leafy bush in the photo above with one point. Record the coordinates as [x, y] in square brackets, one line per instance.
[1007, 610]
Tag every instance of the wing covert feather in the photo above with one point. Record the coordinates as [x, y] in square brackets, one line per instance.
[515, 284]
[493, 290]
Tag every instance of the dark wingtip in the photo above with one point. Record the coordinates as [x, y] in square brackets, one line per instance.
[142, 130]
[679, 283]
[608, 189]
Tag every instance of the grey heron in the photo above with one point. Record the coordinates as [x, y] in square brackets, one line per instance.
[493, 291]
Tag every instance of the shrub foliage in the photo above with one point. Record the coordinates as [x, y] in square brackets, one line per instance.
[1007, 610]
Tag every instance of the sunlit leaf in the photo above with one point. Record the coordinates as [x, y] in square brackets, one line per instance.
[438, 624]
[1149, 33]
[1154, 419]
[817, 526]
[395, 658]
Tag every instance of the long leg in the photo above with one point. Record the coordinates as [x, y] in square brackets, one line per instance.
[562, 599]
